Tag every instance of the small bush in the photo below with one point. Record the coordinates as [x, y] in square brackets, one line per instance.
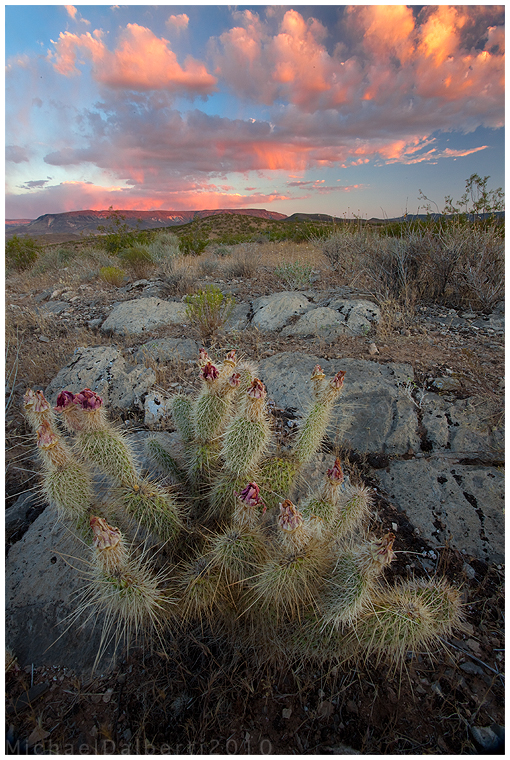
[112, 275]
[244, 260]
[208, 310]
[190, 245]
[295, 276]
[21, 253]
[164, 247]
[138, 258]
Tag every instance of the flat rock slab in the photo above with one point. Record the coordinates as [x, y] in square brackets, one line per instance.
[320, 321]
[104, 370]
[167, 350]
[461, 426]
[463, 504]
[142, 315]
[41, 588]
[273, 312]
[372, 414]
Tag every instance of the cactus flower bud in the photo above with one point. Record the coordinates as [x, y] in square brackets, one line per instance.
[257, 389]
[64, 399]
[336, 475]
[209, 372]
[35, 401]
[234, 379]
[203, 357]
[338, 380]
[231, 358]
[46, 437]
[250, 495]
[88, 400]
[290, 517]
[105, 536]
[381, 549]
[317, 373]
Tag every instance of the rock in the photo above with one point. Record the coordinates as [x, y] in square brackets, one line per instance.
[41, 592]
[372, 415]
[53, 307]
[358, 314]
[157, 409]
[239, 318]
[273, 312]
[21, 515]
[464, 503]
[321, 322]
[490, 739]
[446, 384]
[142, 315]
[459, 427]
[104, 370]
[167, 350]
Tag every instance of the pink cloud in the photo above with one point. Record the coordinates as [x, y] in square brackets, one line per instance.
[141, 61]
[180, 21]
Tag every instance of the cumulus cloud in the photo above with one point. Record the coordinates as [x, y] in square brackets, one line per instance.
[141, 61]
[180, 21]
[71, 10]
[449, 58]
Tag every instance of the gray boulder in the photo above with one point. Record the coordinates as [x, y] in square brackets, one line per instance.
[357, 314]
[104, 370]
[273, 312]
[44, 578]
[460, 426]
[320, 321]
[463, 504]
[142, 315]
[167, 350]
[372, 414]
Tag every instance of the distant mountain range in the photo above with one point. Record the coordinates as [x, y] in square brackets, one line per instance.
[74, 224]
[86, 222]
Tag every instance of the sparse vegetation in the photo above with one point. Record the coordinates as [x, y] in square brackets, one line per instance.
[208, 311]
[112, 275]
[21, 253]
[295, 275]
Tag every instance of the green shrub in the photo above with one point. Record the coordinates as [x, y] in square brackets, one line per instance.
[208, 310]
[112, 275]
[138, 258]
[295, 275]
[191, 245]
[21, 253]
[164, 247]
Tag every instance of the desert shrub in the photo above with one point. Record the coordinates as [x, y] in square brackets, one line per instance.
[208, 310]
[138, 258]
[192, 245]
[21, 253]
[112, 275]
[295, 275]
[244, 260]
[222, 250]
[164, 247]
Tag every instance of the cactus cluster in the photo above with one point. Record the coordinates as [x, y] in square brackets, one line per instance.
[227, 536]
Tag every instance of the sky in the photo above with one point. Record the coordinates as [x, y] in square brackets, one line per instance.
[343, 110]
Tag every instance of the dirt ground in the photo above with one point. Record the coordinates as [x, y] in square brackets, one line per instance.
[198, 697]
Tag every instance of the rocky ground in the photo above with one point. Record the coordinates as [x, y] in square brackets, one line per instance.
[420, 421]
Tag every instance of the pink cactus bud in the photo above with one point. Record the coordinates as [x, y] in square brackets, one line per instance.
[231, 358]
[46, 437]
[317, 373]
[35, 401]
[88, 400]
[336, 475]
[290, 517]
[203, 357]
[209, 372]
[105, 536]
[250, 495]
[381, 549]
[257, 389]
[234, 379]
[64, 399]
[338, 380]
